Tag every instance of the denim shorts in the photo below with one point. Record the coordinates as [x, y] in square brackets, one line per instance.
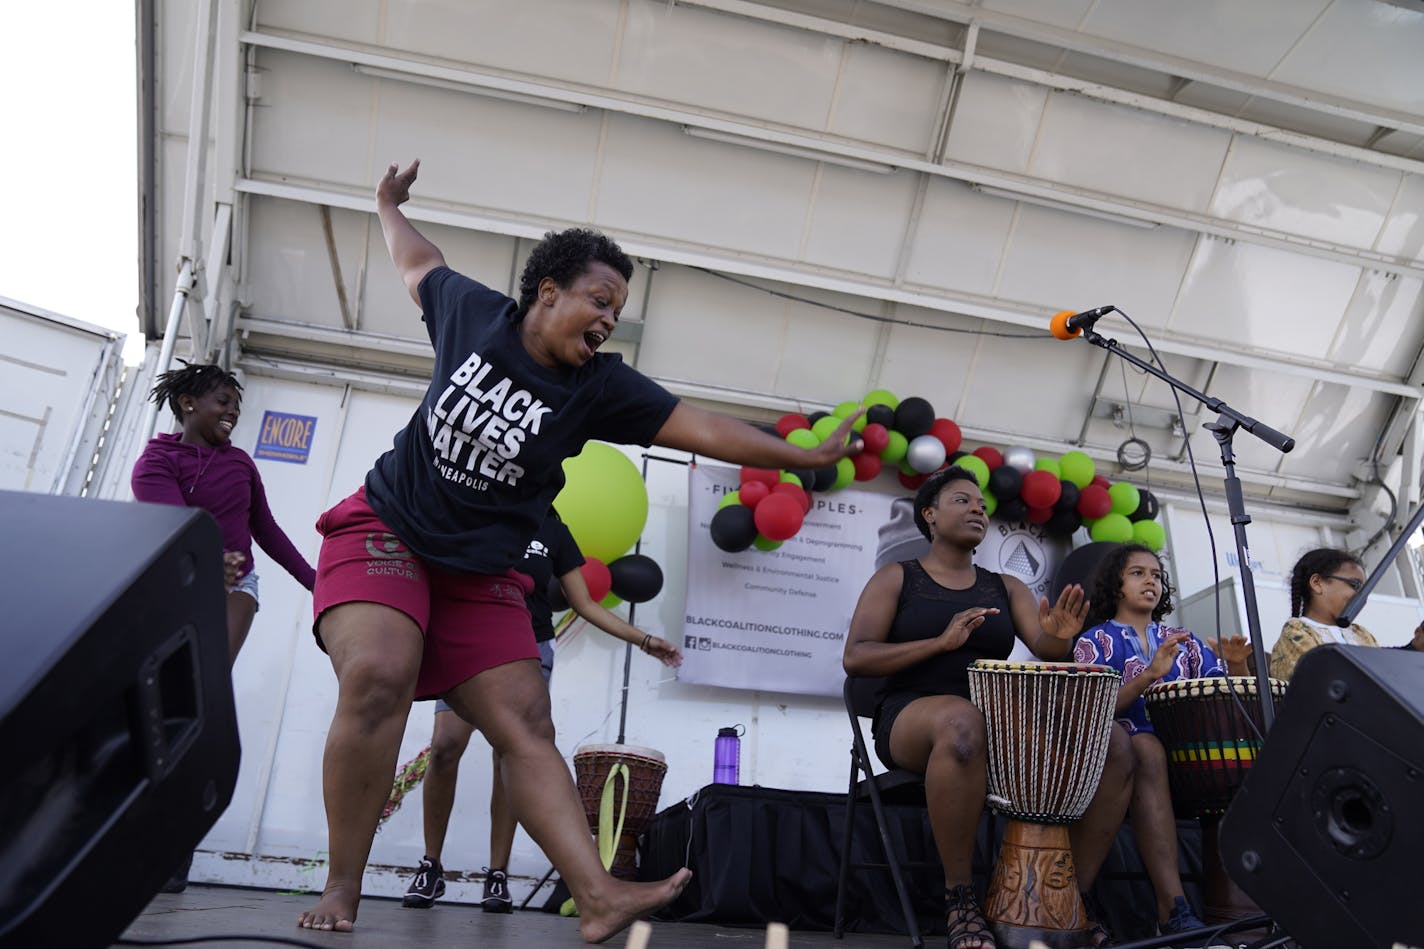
[248, 585]
[546, 666]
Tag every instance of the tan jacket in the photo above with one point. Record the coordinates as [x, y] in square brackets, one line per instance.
[1299, 637]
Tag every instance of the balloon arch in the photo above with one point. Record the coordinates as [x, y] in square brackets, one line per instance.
[1061, 493]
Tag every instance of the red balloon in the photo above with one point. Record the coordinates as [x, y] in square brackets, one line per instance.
[1039, 515]
[1101, 482]
[778, 517]
[790, 422]
[947, 432]
[794, 492]
[876, 437]
[1040, 489]
[991, 455]
[867, 465]
[753, 493]
[1094, 501]
[596, 577]
[913, 481]
[768, 476]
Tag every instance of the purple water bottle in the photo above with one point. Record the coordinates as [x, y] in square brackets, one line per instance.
[726, 756]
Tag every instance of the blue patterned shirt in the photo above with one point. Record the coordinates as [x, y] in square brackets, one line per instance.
[1114, 644]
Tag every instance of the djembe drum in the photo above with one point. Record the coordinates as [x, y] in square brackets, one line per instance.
[619, 786]
[1047, 727]
[1211, 744]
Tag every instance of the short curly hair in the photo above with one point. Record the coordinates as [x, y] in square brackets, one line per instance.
[562, 256]
[1106, 585]
[1321, 560]
[928, 494]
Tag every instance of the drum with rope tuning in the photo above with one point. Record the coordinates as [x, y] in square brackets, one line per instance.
[619, 786]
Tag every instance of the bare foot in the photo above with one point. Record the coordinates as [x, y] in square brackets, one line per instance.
[335, 911]
[625, 902]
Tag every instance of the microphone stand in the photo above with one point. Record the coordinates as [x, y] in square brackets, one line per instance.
[1357, 602]
[1227, 422]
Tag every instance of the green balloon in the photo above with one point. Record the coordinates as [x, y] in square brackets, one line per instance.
[825, 426]
[730, 498]
[845, 474]
[1047, 464]
[804, 438]
[859, 424]
[976, 466]
[880, 397]
[789, 478]
[1149, 534]
[766, 543]
[905, 468]
[845, 410]
[991, 503]
[895, 448]
[1077, 467]
[610, 601]
[1115, 528]
[604, 502]
[1125, 497]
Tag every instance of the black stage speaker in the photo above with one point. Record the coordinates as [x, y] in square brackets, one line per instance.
[118, 740]
[1327, 831]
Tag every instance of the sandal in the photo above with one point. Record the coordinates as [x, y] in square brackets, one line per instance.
[965, 920]
[1098, 936]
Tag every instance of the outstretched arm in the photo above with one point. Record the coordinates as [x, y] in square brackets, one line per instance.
[413, 255]
[723, 437]
[583, 603]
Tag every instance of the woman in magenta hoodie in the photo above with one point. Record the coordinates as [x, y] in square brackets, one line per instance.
[200, 467]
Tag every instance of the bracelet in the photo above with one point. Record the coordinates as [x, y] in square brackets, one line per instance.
[646, 639]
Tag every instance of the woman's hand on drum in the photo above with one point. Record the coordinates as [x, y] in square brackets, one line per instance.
[1161, 662]
[1064, 619]
[964, 623]
[1235, 651]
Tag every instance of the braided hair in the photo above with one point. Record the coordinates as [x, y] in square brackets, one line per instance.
[562, 256]
[193, 380]
[1106, 584]
[1322, 561]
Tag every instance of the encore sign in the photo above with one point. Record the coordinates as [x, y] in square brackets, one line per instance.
[285, 437]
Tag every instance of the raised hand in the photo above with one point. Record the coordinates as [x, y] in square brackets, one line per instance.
[1064, 619]
[394, 186]
[1235, 651]
[1162, 660]
[964, 623]
[835, 447]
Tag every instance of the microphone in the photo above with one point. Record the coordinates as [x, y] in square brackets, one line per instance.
[1067, 324]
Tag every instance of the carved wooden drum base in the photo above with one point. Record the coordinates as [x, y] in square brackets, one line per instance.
[1034, 892]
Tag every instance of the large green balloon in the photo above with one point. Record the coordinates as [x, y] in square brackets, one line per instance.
[804, 438]
[976, 466]
[845, 474]
[1077, 467]
[1125, 497]
[1115, 528]
[895, 448]
[1149, 534]
[845, 410]
[880, 397]
[825, 426]
[604, 502]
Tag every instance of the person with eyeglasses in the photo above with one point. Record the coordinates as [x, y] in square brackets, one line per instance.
[1322, 583]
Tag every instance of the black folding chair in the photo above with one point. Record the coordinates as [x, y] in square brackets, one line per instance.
[860, 695]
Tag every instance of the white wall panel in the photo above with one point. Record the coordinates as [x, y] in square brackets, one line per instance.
[288, 270]
[1403, 232]
[996, 122]
[1243, 294]
[314, 122]
[1067, 261]
[1309, 194]
[176, 54]
[1338, 426]
[857, 220]
[1384, 310]
[888, 98]
[351, 21]
[960, 240]
[1064, 13]
[1128, 152]
[1362, 50]
[656, 180]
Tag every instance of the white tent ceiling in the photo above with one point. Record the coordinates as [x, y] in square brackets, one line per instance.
[831, 197]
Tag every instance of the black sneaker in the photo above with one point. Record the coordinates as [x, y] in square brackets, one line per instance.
[496, 898]
[1184, 920]
[427, 886]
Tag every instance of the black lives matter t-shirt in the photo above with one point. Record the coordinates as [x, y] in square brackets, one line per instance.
[470, 479]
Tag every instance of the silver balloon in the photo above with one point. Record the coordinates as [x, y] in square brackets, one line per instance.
[1017, 456]
[925, 454]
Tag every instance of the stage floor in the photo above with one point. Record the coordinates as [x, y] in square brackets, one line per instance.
[209, 911]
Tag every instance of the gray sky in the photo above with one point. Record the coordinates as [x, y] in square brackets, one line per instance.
[68, 95]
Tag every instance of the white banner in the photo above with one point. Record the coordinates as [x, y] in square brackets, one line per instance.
[777, 620]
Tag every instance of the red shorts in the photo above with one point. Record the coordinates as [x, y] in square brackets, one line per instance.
[471, 622]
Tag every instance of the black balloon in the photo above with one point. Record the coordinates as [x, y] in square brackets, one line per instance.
[815, 417]
[636, 578]
[1068, 499]
[1064, 523]
[825, 477]
[1147, 506]
[879, 414]
[914, 417]
[954, 456]
[557, 602]
[734, 528]
[806, 476]
[1005, 482]
[1012, 510]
